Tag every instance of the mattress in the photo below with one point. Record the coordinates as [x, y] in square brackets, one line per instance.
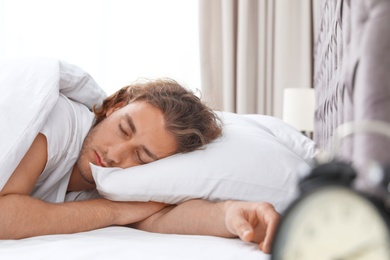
[128, 243]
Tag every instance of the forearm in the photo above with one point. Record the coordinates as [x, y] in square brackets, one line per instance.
[22, 216]
[192, 217]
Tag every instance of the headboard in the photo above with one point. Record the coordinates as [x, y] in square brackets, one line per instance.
[352, 76]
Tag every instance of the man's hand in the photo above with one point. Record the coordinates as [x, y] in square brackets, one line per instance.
[252, 222]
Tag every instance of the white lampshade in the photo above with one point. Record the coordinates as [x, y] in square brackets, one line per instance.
[298, 108]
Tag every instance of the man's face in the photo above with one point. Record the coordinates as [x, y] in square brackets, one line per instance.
[132, 135]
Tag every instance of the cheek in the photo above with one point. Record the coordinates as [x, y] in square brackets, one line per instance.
[104, 135]
[103, 130]
[94, 135]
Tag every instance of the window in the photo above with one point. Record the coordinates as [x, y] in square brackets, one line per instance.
[116, 41]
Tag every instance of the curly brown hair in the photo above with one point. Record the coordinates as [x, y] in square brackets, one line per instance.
[191, 122]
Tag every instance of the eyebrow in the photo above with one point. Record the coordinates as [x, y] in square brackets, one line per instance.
[130, 121]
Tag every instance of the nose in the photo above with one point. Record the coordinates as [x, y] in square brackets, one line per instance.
[119, 155]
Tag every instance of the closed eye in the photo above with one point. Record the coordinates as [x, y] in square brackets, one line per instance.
[139, 158]
[122, 130]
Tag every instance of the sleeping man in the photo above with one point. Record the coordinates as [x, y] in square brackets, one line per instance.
[138, 124]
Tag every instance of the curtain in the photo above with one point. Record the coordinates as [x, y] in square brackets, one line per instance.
[117, 42]
[251, 50]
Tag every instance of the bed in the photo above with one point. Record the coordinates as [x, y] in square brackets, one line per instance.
[351, 81]
[126, 243]
[230, 169]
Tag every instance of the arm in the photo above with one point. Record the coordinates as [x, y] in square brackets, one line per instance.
[22, 216]
[255, 222]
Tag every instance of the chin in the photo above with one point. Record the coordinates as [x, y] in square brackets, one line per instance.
[84, 168]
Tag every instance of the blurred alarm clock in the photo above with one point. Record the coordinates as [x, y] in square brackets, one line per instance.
[331, 220]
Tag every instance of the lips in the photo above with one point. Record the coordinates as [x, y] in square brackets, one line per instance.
[98, 160]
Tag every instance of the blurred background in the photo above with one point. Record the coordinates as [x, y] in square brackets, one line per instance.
[116, 41]
[241, 54]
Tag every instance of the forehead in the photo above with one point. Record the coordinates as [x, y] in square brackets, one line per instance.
[150, 127]
[144, 112]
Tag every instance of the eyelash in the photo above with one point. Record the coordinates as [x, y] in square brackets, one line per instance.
[122, 130]
[137, 153]
[139, 158]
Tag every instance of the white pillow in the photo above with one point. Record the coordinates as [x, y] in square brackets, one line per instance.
[250, 162]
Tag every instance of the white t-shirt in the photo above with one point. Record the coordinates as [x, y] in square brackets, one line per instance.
[65, 130]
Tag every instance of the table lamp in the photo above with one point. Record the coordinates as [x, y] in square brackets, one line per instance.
[298, 109]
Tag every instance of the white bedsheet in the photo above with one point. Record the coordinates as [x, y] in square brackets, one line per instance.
[127, 243]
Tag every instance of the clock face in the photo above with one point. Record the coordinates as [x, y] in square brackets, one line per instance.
[332, 223]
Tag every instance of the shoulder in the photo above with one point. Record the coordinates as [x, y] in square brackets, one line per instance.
[65, 126]
[59, 127]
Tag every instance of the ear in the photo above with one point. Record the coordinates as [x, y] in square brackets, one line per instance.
[115, 108]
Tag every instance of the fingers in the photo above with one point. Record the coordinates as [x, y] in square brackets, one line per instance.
[237, 223]
[271, 218]
[245, 231]
[253, 222]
